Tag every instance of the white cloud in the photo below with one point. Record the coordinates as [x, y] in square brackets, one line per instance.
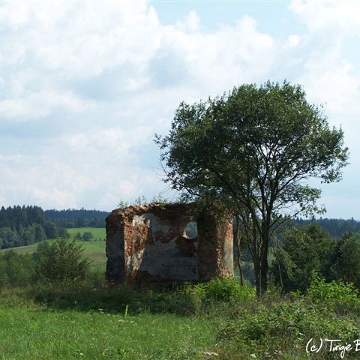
[320, 59]
[329, 81]
[39, 104]
[231, 55]
[293, 40]
[340, 16]
[190, 24]
[85, 85]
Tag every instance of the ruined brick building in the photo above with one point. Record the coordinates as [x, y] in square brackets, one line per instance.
[165, 243]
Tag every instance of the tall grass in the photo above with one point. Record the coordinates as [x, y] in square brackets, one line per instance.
[216, 320]
[37, 333]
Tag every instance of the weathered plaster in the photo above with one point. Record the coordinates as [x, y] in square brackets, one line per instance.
[147, 244]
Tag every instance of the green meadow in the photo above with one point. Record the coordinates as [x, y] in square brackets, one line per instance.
[94, 249]
[216, 320]
[98, 233]
[36, 332]
[87, 319]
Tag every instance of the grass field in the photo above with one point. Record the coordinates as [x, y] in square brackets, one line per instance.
[94, 249]
[87, 322]
[98, 233]
[87, 319]
[40, 333]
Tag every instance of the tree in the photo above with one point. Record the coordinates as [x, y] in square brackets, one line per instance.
[3, 218]
[347, 265]
[29, 236]
[63, 233]
[39, 233]
[87, 235]
[304, 250]
[61, 261]
[19, 269]
[50, 230]
[9, 238]
[253, 151]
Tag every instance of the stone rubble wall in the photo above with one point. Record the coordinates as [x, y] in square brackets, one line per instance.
[147, 244]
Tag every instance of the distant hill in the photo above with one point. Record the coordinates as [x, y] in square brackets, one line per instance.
[72, 218]
[335, 227]
[21, 226]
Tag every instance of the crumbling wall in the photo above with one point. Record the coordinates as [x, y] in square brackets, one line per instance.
[148, 244]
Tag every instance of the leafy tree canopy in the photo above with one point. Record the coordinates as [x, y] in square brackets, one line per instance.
[61, 261]
[253, 150]
[304, 250]
[347, 266]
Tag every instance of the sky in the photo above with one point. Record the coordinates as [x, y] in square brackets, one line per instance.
[84, 86]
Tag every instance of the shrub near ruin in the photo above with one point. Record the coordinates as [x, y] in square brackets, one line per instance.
[61, 261]
[227, 289]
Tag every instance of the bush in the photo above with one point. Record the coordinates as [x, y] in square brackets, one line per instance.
[61, 261]
[335, 294]
[347, 265]
[91, 294]
[282, 330]
[15, 269]
[87, 235]
[63, 233]
[303, 250]
[227, 289]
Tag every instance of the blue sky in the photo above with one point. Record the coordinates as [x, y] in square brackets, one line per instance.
[84, 86]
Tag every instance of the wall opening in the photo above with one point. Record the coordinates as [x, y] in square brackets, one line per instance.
[190, 230]
[159, 243]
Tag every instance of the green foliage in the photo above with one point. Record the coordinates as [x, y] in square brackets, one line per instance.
[160, 199]
[9, 238]
[248, 272]
[40, 234]
[87, 235]
[29, 236]
[335, 227]
[78, 233]
[310, 248]
[253, 150]
[63, 233]
[334, 292]
[304, 250]
[61, 261]
[281, 331]
[123, 204]
[41, 333]
[92, 293]
[51, 230]
[21, 226]
[194, 322]
[15, 269]
[93, 250]
[227, 289]
[72, 218]
[346, 264]
[140, 200]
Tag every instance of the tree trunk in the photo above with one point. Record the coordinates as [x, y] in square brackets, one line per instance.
[264, 275]
[237, 237]
[241, 276]
[261, 268]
